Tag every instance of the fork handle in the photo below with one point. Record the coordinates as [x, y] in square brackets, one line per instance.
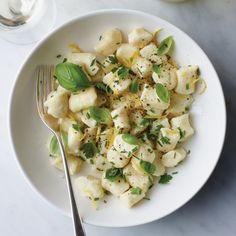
[77, 221]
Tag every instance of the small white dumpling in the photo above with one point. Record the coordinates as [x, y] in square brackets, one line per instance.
[150, 52]
[90, 134]
[123, 147]
[116, 84]
[167, 140]
[118, 160]
[172, 158]
[135, 179]
[57, 104]
[151, 102]
[120, 118]
[160, 168]
[90, 186]
[74, 163]
[103, 140]
[142, 67]
[65, 124]
[83, 99]
[186, 77]
[138, 123]
[86, 119]
[145, 153]
[127, 54]
[179, 104]
[139, 37]
[87, 60]
[109, 41]
[101, 163]
[166, 76]
[74, 138]
[129, 199]
[116, 187]
[158, 124]
[182, 123]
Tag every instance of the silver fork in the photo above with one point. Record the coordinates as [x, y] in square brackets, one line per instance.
[45, 84]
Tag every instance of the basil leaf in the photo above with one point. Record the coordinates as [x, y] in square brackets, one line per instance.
[101, 115]
[147, 167]
[89, 150]
[54, 146]
[134, 86]
[156, 69]
[71, 76]
[130, 139]
[113, 174]
[165, 46]
[165, 179]
[77, 127]
[136, 191]
[162, 93]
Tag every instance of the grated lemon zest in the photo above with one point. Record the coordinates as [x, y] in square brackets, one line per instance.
[83, 136]
[92, 197]
[75, 47]
[172, 132]
[155, 117]
[98, 133]
[114, 133]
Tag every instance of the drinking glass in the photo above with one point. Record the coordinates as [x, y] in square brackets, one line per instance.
[26, 21]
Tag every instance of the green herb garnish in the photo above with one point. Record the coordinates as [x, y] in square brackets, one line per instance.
[130, 139]
[93, 62]
[134, 86]
[77, 127]
[156, 69]
[89, 149]
[71, 76]
[136, 191]
[103, 87]
[165, 179]
[165, 46]
[165, 140]
[182, 133]
[100, 114]
[113, 59]
[113, 174]
[122, 72]
[147, 167]
[162, 93]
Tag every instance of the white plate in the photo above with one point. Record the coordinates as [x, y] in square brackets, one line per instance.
[29, 134]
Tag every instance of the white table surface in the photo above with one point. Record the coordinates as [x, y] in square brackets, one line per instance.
[213, 210]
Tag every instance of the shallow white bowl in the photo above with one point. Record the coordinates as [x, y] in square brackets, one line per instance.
[28, 134]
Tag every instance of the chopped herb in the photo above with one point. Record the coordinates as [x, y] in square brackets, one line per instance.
[122, 72]
[96, 199]
[187, 109]
[113, 174]
[134, 86]
[175, 172]
[100, 64]
[165, 179]
[89, 149]
[64, 60]
[88, 115]
[93, 62]
[188, 152]
[103, 87]
[114, 69]
[182, 133]
[187, 86]
[162, 93]
[113, 59]
[155, 131]
[147, 166]
[114, 117]
[145, 122]
[136, 191]
[77, 127]
[91, 161]
[165, 140]
[156, 69]
[130, 139]
[100, 37]
[59, 55]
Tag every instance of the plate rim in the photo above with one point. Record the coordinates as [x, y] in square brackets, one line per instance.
[37, 46]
